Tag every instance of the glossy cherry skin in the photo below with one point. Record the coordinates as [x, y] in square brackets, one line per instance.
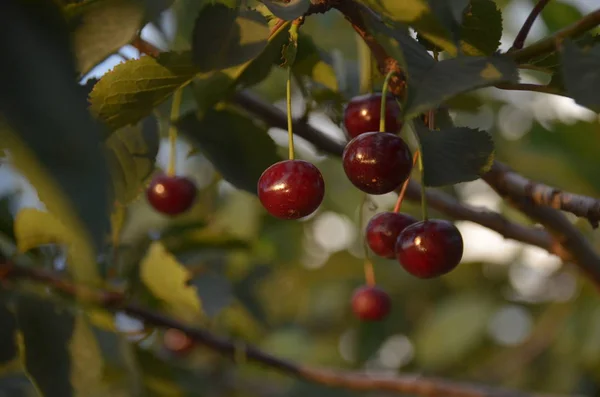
[362, 114]
[171, 195]
[177, 342]
[429, 248]
[377, 162]
[383, 231]
[291, 189]
[371, 303]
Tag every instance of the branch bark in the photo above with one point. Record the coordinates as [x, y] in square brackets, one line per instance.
[406, 383]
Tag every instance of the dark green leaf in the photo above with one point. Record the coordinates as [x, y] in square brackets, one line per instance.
[287, 10]
[370, 337]
[16, 385]
[310, 61]
[47, 110]
[455, 76]
[101, 27]
[8, 328]
[450, 14]
[581, 74]
[557, 15]
[225, 37]
[481, 29]
[238, 148]
[454, 155]
[215, 292]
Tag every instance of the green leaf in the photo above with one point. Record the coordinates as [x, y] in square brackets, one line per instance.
[168, 280]
[8, 329]
[481, 29]
[557, 15]
[238, 148]
[449, 78]
[311, 62]
[290, 50]
[287, 10]
[456, 326]
[581, 74]
[131, 154]
[101, 27]
[225, 37]
[56, 143]
[450, 14]
[454, 155]
[130, 91]
[215, 292]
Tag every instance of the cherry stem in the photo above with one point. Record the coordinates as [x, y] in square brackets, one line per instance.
[175, 106]
[384, 91]
[289, 113]
[368, 265]
[405, 186]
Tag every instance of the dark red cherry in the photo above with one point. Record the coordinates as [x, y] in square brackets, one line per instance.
[429, 248]
[383, 231]
[291, 189]
[377, 162]
[177, 342]
[171, 195]
[362, 114]
[371, 303]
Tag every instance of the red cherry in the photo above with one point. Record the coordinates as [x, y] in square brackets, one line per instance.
[291, 189]
[430, 248]
[362, 114]
[377, 162]
[383, 231]
[171, 195]
[177, 342]
[371, 303]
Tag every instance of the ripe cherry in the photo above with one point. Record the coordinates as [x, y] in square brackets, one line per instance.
[429, 248]
[383, 231]
[362, 114]
[177, 342]
[291, 189]
[171, 195]
[371, 303]
[377, 162]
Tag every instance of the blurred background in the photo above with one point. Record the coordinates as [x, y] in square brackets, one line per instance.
[511, 314]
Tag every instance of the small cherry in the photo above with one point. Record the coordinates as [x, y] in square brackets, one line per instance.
[362, 114]
[430, 248]
[177, 342]
[171, 195]
[291, 189]
[383, 231]
[371, 303]
[377, 162]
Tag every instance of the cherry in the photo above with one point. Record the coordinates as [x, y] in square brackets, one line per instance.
[291, 189]
[371, 303]
[177, 342]
[171, 195]
[429, 248]
[362, 114]
[383, 231]
[377, 162]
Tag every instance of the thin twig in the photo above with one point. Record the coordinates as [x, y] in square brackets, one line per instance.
[524, 32]
[405, 384]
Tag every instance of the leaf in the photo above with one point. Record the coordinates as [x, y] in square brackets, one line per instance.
[101, 27]
[167, 280]
[290, 50]
[238, 148]
[131, 155]
[450, 14]
[311, 62]
[55, 142]
[454, 155]
[581, 74]
[8, 329]
[449, 78]
[481, 30]
[557, 15]
[287, 10]
[87, 368]
[215, 292]
[452, 330]
[130, 91]
[225, 37]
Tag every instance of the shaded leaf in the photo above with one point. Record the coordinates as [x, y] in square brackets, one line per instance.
[481, 29]
[215, 292]
[454, 155]
[223, 135]
[287, 10]
[450, 14]
[225, 37]
[311, 62]
[557, 14]
[56, 143]
[167, 280]
[8, 329]
[101, 27]
[581, 74]
[454, 76]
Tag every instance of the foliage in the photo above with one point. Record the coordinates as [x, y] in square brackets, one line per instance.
[226, 266]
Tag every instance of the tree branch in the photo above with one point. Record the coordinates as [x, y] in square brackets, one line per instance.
[405, 383]
[524, 32]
